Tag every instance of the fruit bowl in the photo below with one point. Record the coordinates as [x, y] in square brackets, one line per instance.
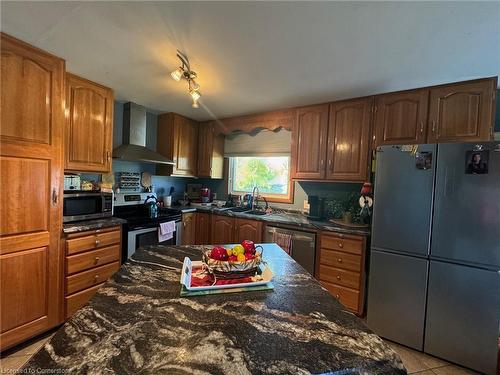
[232, 268]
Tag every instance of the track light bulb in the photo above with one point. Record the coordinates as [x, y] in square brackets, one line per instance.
[195, 95]
[195, 104]
[177, 74]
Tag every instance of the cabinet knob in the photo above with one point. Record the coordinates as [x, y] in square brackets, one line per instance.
[96, 260]
[421, 127]
[339, 260]
[337, 296]
[341, 245]
[96, 278]
[433, 126]
[97, 242]
[338, 277]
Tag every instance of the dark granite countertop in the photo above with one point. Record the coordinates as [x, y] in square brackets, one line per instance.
[289, 218]
[138, 323]
[81, 226]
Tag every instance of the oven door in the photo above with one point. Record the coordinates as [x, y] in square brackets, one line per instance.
[148, 236]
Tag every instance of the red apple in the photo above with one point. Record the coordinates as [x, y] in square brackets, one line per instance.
[233, 258]
[249, 256]
[249, 246]
[219, 253]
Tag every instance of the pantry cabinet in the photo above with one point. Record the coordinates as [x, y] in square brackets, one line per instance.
[401, 117]
[310, 139]
[349, 133]
[203, 228]
[210, 151]
[188, 228]
[31, 141]
[462, 112]
[89, 126]
[178, 140]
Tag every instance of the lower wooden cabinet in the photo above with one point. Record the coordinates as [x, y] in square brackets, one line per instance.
[188, 228]
[222, 230]
[341, 268]
[248, 230]
[203, 228]
[92, 257]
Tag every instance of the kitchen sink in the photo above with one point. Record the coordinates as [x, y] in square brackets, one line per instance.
[239, 209]
[255, 212]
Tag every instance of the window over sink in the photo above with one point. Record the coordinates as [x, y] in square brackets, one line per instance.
[271, 174]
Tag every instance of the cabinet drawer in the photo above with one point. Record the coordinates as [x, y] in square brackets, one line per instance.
[348, 297]
[338, 276]
[93, 241]
[91, 259]
[341, 243]
[77, 300]
[339, 259]
[90, 278]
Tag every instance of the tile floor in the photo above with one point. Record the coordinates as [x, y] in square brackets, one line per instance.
[415, 362]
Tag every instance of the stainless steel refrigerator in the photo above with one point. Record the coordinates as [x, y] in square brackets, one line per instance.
[434, 273]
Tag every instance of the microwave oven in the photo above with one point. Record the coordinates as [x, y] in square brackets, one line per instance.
[85, 205]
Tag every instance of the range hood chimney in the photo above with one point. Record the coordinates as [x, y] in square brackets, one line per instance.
[134, 138]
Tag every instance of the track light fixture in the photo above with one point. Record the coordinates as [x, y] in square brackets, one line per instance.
[184, 71]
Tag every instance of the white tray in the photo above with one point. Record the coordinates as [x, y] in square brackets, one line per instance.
[267, 276]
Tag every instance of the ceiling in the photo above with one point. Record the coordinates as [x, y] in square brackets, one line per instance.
[257, 56]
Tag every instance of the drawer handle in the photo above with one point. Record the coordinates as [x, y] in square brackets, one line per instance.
[337, 296]
[338, 277]
[97, 242]
[341, 245]
[96, 260]
[96, 278]
[339, 260]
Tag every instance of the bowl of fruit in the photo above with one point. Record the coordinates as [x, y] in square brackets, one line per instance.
[238, 261]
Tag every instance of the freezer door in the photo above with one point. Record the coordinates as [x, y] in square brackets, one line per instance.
[396, 297]
[403, 200]
[466, 224]
[463, 315]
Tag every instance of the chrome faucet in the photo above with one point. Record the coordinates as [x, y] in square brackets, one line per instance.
[253, 196]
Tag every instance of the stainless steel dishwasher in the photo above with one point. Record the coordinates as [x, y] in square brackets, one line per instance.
[303, 245]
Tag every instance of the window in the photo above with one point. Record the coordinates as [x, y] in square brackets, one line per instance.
[271, 174]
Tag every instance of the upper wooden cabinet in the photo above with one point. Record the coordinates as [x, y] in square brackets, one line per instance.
[462, 112]
[210, 151]
[310, 137]
[89, 126]
[31, 133]
[177, 140]
[349, 133]
[401, 117]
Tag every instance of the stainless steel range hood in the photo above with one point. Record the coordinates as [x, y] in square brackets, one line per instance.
[134, 138]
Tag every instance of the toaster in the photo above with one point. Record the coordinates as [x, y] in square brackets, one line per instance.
[72, 182]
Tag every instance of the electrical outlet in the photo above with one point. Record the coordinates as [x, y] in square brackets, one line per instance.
[306, 205]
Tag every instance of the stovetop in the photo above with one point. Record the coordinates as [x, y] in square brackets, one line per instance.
[138, 216]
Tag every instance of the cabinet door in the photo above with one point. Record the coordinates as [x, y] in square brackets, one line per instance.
[349, 133]
[89, 126]
[222, 230]
[185, 146]
[205, 148]
[32, 115]
[248, 230]
[462, 112]
[310, 140]
[401, 117]
[188, 228]
[203, 228]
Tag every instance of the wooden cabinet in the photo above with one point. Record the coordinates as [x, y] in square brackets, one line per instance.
[349, 133]
[31, 132]
[89, 126]
[92, 257]
[222, 230]
[210, 151]
[341, 268]
[178, 140]
[188, 228]
[203, 228]
[462, 112]
[401, 117]
[310, 138]
[248, 230]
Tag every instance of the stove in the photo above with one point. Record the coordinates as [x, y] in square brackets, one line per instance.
[141, 229]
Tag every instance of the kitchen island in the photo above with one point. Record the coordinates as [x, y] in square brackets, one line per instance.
[138, 323]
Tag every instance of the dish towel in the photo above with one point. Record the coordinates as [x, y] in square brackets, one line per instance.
[284, 241]
[166, 231]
